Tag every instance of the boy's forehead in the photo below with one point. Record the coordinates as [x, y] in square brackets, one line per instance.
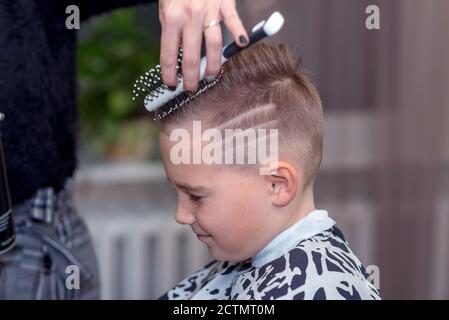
[195, 175]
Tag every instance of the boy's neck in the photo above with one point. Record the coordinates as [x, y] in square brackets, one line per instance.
[306, 205]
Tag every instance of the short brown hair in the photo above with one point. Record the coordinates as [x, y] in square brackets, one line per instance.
[257, 76]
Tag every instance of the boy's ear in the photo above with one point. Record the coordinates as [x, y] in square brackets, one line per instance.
[282, 183]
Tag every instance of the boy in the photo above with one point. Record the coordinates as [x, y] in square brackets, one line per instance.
[260, 224]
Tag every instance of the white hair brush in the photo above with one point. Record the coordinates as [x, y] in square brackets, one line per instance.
[162, 101]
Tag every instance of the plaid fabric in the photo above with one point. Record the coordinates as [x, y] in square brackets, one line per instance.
[43, 205]
[50, 238]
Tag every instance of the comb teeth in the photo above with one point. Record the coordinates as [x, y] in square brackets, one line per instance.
[150, 84]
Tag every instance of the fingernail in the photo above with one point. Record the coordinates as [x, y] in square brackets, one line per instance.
[210, 78]
[243, 39]
[172, 88]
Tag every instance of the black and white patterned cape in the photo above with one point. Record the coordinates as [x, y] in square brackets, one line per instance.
[309, 260]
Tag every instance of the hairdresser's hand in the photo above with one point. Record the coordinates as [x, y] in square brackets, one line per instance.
[184, 21]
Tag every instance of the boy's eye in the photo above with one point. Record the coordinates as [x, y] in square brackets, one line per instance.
[194, 198]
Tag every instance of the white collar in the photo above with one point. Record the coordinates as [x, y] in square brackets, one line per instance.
[315, 222]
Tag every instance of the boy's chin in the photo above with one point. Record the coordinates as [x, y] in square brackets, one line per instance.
[216, 255]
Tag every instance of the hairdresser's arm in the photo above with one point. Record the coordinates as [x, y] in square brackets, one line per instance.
[184, 21]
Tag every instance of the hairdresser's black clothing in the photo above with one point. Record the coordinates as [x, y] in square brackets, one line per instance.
[38, 96]
[38, 90]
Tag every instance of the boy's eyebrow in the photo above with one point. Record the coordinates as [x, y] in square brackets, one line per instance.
[186, 186]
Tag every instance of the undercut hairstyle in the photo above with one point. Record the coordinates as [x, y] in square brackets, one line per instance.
[263, 86]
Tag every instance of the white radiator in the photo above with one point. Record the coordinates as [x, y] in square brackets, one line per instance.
[140, 257]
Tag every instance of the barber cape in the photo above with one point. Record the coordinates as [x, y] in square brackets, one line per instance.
[309, 260]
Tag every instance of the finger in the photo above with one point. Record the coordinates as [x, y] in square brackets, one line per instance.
[171, 32]
[233, 23]
[214, 43]
[191, 45]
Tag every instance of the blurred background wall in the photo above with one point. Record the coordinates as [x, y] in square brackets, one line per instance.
[384, 176]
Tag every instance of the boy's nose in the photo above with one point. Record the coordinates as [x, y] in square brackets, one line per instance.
[184, 216]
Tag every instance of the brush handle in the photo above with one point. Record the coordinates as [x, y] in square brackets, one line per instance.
[260, 31]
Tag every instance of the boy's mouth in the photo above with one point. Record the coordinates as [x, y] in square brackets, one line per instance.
[202, 237]
[199, 233]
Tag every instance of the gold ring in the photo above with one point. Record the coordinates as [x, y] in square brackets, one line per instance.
[212, 24]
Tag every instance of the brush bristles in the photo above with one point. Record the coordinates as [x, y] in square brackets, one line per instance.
[150, 86]
[185, 97]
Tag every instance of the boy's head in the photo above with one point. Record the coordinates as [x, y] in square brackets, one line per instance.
[237, 208]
